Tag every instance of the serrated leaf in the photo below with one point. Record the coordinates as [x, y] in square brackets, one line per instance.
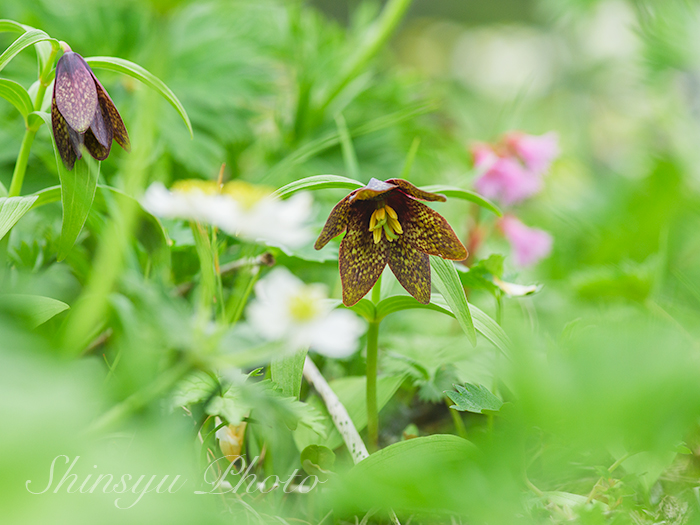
[13, 209]
[447, 281]
[36, 308]
[473, 398]
[16, 95]
[318, 182]
[459, 193]
[29, 38]
[139, 73]
[195, 388]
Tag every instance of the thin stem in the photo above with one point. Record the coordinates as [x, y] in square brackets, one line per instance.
[21, 165]
[372, 412]
[459, 424]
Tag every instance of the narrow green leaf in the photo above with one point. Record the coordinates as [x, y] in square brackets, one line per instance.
[410, 157]
[287, 372]
[36, 308]
[77, 194]
[365, 308]
[12, 209]
[473, 398]
[458, 193]
[11, 26]
[139, 73]
[447, 281]
[29, 38]
[318, 182]
[16, 95]
[349, 155]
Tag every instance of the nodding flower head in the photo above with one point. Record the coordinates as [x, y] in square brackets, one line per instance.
[82, 113]
[386, 224]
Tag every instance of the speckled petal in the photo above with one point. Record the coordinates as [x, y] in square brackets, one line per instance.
[416, 193]
[74, 91]
[97, 150]
[62, 136]
[335, 224]
[109, 109]
[411, 268]
[428, 231]
[374, 189]
[360, 260]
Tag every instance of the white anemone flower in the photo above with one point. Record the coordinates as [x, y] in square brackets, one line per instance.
[237, 208]
[285, 308]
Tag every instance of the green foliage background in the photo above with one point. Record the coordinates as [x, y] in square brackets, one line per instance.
[603, 369]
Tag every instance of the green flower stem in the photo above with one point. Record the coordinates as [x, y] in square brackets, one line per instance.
[457, 419]
[372, 413]
[21, 165]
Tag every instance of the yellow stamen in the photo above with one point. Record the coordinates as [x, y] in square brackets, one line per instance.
[377, 235]
[373, 221]
[380, 213]
[395, 225]
[391, 212]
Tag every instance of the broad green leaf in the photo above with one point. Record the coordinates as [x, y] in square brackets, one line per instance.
[36, 308]
[365, 308]
[77, 194]
[287, 372]
[318, 182]
[473, 398]
[317, 460]
[459, 193]
[447, 281]
[16, 95]
[29, 38]
[416, 474]
[139, 73]
[12, 209]
[351, 392]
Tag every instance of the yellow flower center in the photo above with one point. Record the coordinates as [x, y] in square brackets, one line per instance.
[304, 306]
[385, 219]
[208, 187]
[246, 194]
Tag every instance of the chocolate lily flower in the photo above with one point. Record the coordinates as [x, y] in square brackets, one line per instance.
[385, 223]
[82, 112]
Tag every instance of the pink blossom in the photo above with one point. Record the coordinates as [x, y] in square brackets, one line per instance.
[505, 179]
[529, 244]
[537, 152]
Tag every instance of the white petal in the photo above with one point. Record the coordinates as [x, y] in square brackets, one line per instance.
[337, 335]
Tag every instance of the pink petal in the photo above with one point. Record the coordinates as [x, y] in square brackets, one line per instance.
[508, 181]
[537, 152]
[529, 244]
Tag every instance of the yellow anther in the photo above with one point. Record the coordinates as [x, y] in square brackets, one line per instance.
[373, 221]
[377, 235]
[395, 225]
[391, 212]
[380, 213]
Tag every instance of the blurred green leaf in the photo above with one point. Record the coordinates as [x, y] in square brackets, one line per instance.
[458, 193]
[318, 182]
[12, 209]
[35, 308]
[473, 398]
[17, 96]
[447, 281]
[287, 372]
[194, 388]
[317, 460]
[139, 73]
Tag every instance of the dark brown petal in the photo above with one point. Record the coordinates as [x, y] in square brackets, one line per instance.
[335, 224]
[74, 91]
[97, 150]
[361, 261]
[109, 109]
[411, 268]
[64, 138]
[101, 127]
[374, 189]
[428, 231]
[416, 193]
